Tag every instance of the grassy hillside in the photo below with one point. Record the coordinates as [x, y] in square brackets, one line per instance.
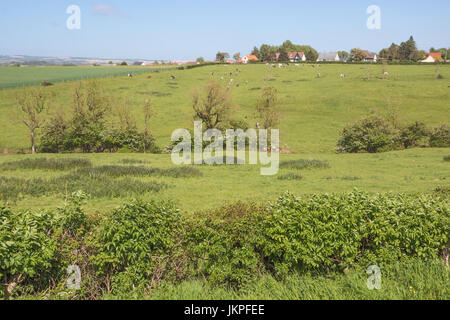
[314, 110]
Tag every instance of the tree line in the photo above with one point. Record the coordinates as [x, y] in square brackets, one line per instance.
[97, 123]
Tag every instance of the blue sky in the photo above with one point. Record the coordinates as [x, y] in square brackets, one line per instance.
[177, 29]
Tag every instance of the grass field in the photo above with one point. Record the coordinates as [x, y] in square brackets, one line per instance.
[13, 77]
[314, 111]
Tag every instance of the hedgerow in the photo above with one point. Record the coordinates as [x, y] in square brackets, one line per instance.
[140, 245]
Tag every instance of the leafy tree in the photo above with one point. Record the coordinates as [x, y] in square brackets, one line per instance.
[213, 106]
[31, 107]
[267, 108]
[237, 56]
[200, 60]
[124, 63]
[358, 54]
[256, 52]
[284, 57]
[221, 56]
[343, 54]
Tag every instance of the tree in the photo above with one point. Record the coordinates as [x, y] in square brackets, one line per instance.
[89, 108]
[358, 55]
[343, 55]
[267, 108]
[213, 106]
[31, 106]
[256, 52]
[200, 60]
[124, 63]
[54, 133]
[237, 56]
[283, 57]
[221, 56]
[148, 113]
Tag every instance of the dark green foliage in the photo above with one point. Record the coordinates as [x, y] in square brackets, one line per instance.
[333, 232]
[414, 135]
[440, 137]
[304, 164]
[137, 171]
[371, 134]
[290, 176]
[447, 158]
[224, 244]
[137, 244]
[47, 164]
[130, 251]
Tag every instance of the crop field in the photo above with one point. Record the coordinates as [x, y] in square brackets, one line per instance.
[14, 77]
[239, 225]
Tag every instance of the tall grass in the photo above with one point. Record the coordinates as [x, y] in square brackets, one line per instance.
[12, 189]
[47, 164]
[304, 164]
[136, 171]
[416, 280]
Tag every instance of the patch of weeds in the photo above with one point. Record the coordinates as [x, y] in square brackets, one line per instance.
[47, 164]
[350, 178]
[290, 176]
[447, 158]
[132, 161]
[136, 171]
[254, 89]
[302, 164]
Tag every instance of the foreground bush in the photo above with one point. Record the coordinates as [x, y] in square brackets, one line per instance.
[140, 245]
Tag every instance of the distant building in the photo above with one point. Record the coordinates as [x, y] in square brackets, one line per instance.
[248, 58]
[433, 57]
[296, 56]
[328, 56]
[370, 56]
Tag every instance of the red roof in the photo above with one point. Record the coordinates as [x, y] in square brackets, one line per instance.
[252, 57]
[435, 54]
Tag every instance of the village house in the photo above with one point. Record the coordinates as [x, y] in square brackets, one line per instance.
[248, 58]
[370, 56]
[433, 57]
[328, 56]
[296, 56]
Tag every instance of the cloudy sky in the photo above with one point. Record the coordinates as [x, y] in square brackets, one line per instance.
[149, 29]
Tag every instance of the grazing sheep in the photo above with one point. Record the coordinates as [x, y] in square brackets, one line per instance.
[342, 75]
[318, 75]
[172, 78]
[297, 65]
[280, 65]
[130, 75]
[221, 78]
[386, 73]
[246, 81]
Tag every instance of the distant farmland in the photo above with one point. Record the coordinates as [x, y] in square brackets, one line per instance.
[14, 77]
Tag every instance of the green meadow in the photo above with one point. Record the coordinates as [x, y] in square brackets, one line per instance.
[315, 102]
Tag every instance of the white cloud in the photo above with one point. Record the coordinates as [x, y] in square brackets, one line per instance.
[105, 9]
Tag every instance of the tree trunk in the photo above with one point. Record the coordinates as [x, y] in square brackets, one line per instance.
[33, 148]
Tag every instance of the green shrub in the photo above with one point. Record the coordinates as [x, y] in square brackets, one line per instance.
[138, 243]
[26, 248]
[371, 134]
[440, 137]
[223, 244]
[447, 158]
[333, 232]
[414, 135]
